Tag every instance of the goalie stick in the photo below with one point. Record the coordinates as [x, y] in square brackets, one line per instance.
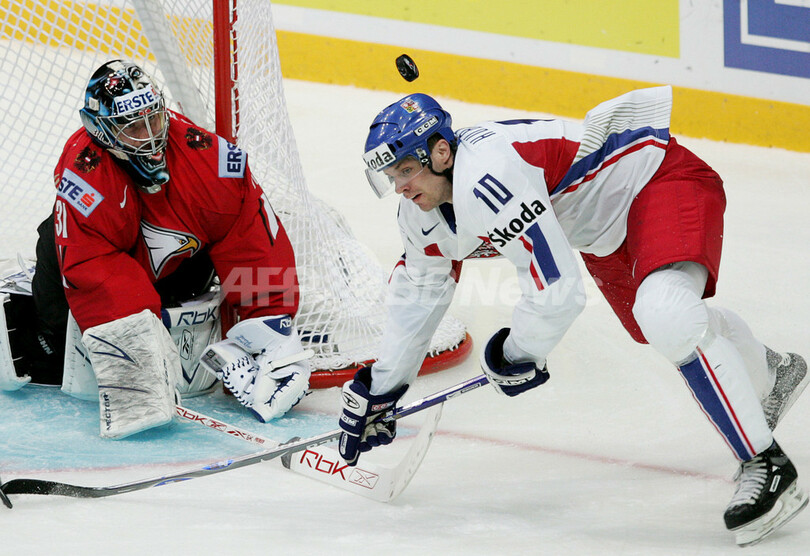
[38, 486]
[378, 482]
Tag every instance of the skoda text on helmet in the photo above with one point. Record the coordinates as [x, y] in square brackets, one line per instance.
[125, 113]
[402, 130]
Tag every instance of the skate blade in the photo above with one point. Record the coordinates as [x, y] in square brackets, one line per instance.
[792, 501]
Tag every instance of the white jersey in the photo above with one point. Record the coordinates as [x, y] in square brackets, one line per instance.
[529, 190]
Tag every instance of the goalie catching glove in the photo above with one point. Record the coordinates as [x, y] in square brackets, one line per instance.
[509, 378]
[361, 432]
[263, 364]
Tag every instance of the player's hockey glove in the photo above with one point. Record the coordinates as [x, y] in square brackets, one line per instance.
[509, 378]
[263, 364]
[360, 409]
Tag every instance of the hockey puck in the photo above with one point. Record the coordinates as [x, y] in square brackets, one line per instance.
[407, 68]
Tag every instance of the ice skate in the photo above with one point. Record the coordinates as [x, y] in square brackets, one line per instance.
[791, 380]
[767, 496]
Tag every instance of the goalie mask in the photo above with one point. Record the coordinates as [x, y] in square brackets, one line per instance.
[402, 130]
[125, 113]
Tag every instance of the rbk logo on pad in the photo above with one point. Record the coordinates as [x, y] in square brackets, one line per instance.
[281, 325]
[164, 244]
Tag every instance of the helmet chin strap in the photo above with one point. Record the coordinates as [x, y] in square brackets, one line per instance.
[447, 172]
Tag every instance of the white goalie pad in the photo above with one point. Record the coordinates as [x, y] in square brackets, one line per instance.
[16, 279]
[192, 327]
[78, 378]
[9, 381]
[136, 365]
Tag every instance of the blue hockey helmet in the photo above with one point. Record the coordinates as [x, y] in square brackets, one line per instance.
[125, 113]
[402, 130]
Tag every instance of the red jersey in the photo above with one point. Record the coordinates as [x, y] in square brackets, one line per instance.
[115, 241]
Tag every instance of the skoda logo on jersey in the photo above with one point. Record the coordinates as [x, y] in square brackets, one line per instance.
[528, 214]
[164, 244]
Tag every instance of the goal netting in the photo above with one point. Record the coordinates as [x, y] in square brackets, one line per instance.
[49, 48]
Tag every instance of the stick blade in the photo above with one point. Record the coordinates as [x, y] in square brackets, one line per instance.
[6, 502]
[37, 486]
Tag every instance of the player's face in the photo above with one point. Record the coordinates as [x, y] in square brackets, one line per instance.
[142, 131]
[418, 184]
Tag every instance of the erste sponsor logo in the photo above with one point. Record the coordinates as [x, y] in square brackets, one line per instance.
[135, 101]
[232, 160]
[78, 193]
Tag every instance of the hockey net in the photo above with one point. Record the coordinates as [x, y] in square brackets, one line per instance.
[49, 48]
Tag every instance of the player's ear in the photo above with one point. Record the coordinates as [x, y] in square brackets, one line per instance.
[441, 155]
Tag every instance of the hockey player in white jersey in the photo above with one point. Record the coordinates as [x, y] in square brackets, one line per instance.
[646, 216]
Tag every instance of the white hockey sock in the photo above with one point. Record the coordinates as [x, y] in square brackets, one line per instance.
[718, 380]
[730, 325]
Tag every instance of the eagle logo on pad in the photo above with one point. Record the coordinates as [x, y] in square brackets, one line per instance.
[163, 244]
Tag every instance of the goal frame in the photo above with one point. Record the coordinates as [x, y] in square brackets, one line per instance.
[339, 278]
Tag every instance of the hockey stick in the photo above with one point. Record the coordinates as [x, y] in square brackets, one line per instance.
[4, 498]
[378, 482]
[38, 486]
[371, 480]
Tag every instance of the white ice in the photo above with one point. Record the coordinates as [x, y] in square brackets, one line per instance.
[611, 457]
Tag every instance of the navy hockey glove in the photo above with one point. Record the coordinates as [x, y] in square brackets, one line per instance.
[360, 409]
[509, 378]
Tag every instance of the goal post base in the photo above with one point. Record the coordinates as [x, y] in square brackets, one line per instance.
[432, 364]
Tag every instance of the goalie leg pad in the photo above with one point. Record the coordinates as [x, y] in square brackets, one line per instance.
[137, 366]
[9, 381]
[193, 326]
[78, 379]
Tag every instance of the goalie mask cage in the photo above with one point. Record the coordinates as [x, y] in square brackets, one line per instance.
[216, 62]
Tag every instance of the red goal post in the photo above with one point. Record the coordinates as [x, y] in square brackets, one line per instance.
[217, 62]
